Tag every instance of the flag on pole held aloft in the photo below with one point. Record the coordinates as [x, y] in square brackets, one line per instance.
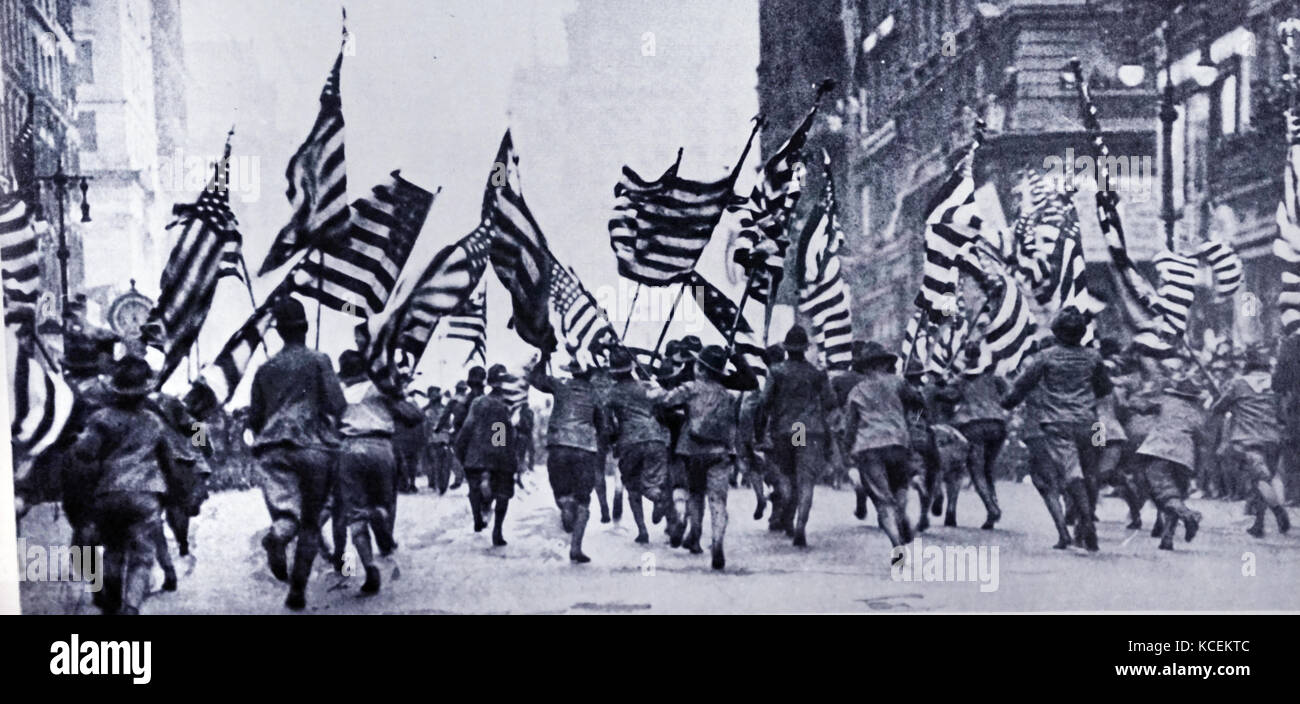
[1136, 296]
[582, 322]
[823, 295]
[226, 370]
[1176, 276]
[209, 247]
[469, 323]
[1009, 332]
[40, 401]
[1287, 244]
[518, 250]
[952, 225]
[356, 273]
[20, 259]
[318, 183]
[1225, 266]
[404, 328]
[660, 228]
[721, 313]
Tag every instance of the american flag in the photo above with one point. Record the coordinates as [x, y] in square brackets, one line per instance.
[1066, 283]
[952, 226]
[225, 371]
[1225, 265]
[405, 327]
[208, 249]
[760, 220]
[1136, 296]
[582, 322]
[721, 313]
[518, 251]
[356, 274]
[19, 260]
[1176, 276]
[39, 399]
[469, 323]
[660, 227]
[1287, 244]
[1010, 330]
[19, 244]
[318, 183]
[823, 295]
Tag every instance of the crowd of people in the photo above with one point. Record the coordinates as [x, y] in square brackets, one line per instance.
[338, 447]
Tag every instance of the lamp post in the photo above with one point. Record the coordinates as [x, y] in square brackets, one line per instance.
[61, 180]
[1168, 115]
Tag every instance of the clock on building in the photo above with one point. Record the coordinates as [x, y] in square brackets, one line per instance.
[128, 312]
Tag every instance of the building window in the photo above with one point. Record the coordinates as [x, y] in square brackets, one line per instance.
[85, 62]
[86, 130]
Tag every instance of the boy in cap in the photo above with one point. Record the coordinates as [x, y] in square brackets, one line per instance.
[708, 440]
[1255, 434]
[295, 403]
[982, 421]
[572, 455]
[642, 440]
[130, 458]
[1072, 378]
[797, 401]
[1169, 455]
[876, 431]
[485, 446]
[367, 464]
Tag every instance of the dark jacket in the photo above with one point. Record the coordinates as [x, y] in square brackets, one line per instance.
[487, 438]
[797, 392]
[128, 447]
[980, 398]
[577, 416]
[1255, 409]
[296, 400]
[632, 405]
[1072, 378]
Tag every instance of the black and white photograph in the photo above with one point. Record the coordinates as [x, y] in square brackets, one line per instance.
[651, 307]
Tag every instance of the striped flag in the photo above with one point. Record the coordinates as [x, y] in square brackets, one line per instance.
[1066, 283]
[582, 322]
[823, 295]
[721, 313]
[1009, 332]
[1176, 276]
[1225, 265]
[917, 339]
[1136, 296]
[318, 183]
[40, 401]
[952, 225]
[356, 273]
[518, 251]
[469, 323]
[405, 327]
[209, 248]
[226, 370]
[660, 227]
[761, 219]
[19, 260]
[1287, 244]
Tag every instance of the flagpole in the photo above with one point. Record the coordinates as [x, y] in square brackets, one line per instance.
[628, 323]
[1093, 124]
[320, 286]
[758, 121]
[671, 312]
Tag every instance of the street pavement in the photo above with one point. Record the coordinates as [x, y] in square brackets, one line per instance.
[442, 566]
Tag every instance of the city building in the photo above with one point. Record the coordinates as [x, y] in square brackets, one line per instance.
[913, 77]
[37, 78]
[130, 110]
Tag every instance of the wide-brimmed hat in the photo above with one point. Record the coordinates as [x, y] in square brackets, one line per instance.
[131, 377]
[620, 361]
[713, 358]
[689, 345]
[1070, 325]
[1184, 388]
[796, 339]
[497, 375]
[433, 392]
[872, 351]
[81, 354]
[289, 314]
[1255, 357]
[477, 375]
[352, 364]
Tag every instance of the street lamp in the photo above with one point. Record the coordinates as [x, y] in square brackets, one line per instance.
[1205, 73]
[61, 179]
[1132, 75]
[1168, 115]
